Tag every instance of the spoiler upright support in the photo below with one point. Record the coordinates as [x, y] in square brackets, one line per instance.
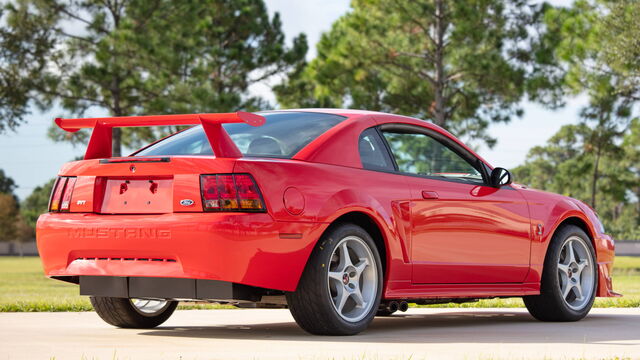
[100, 144]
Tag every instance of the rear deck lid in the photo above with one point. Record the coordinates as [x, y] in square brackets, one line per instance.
[141, 185]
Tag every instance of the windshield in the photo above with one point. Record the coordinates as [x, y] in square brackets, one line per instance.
[282, 135]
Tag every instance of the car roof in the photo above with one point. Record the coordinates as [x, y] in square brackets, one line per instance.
[360, 116]
[357, 114]
[343, 112]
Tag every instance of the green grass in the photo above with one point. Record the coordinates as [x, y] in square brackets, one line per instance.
[626, 280]
[23, 287]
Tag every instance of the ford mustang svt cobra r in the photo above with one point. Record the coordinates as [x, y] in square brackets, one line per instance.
[339, 215]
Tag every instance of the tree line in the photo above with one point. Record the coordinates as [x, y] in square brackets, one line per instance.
[463, 65]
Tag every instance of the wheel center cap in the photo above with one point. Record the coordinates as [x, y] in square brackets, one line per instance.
[345, 278]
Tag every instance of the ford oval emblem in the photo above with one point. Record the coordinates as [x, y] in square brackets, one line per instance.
[186, 202]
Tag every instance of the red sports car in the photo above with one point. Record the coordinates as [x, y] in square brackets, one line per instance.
[339, 215]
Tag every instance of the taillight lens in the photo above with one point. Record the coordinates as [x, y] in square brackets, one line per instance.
[209, 190]
[227, 192]
[231, 192]
[61, 194]
[56, 194]
[66, 194]
[248, 194]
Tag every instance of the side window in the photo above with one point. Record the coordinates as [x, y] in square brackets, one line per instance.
[420, 154]
[373, 152]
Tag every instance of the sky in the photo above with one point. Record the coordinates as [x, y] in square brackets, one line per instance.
[31, 159]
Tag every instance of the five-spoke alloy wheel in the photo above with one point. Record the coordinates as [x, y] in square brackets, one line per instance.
[569, 278]
[339, 292]
[352, 280]
[575, 273]
[148, 306]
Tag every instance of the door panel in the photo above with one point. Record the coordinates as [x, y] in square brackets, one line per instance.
[461, 230]
[468, 234]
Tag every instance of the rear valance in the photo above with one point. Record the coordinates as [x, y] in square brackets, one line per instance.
[100, 144]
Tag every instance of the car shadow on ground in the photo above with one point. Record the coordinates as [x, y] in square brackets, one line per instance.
[450, 327]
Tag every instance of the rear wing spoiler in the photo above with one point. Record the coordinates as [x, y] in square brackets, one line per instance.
[100, 143]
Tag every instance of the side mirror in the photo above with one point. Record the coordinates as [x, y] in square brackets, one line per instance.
[500, 177]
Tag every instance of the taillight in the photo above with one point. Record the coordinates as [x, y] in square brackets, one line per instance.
[61, 194]
[56, 194]
[248, 194]
[231, 192]
[227, 192]
[66, 194]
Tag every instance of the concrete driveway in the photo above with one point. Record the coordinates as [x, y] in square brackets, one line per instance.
[272, 334]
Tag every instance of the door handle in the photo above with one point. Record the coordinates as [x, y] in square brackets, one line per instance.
[432, 195]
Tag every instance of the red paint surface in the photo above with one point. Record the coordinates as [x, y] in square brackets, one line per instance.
[293, 201]
[472, 241]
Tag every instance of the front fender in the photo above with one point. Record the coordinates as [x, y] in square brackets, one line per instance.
[553, 214]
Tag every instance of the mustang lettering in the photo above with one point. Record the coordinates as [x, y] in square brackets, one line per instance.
[119, 233]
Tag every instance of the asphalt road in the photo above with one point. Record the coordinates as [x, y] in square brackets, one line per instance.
[272, 334]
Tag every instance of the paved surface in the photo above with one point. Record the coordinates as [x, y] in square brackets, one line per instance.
[272, 334]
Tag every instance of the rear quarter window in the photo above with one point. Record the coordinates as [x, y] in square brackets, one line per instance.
[282, 136]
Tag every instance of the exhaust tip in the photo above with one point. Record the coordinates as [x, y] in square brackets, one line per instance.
[393, 306]
[403, 306]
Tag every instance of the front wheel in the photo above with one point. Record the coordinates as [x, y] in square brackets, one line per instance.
[569, 278]
[339, 291]
[133, 313]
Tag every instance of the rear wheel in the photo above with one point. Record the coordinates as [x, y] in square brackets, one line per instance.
[569, 278]
[339, 291]
[133, 313]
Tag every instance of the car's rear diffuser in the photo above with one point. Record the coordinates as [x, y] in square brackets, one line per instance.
[167, 288]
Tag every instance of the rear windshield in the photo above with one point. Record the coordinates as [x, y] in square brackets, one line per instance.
[282, 135]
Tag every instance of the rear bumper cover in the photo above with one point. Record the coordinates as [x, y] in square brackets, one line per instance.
[249, 249]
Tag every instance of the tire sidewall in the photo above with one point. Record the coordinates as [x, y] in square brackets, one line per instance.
[322, 257]
[551, 280]
[121, 312]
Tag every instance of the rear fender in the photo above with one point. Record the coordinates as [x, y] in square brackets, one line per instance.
[392, 224]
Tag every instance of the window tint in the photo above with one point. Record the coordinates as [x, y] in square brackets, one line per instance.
[373, 152]
[420, 154]
[282, 135]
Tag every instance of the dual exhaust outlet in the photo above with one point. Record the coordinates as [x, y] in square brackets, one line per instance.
[393, 306]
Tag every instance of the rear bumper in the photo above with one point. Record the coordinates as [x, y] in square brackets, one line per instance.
[250, 249]
[605, 253]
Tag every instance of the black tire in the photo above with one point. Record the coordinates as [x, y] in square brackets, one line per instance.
[122, 313]
[550, 305]
[311, 304]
